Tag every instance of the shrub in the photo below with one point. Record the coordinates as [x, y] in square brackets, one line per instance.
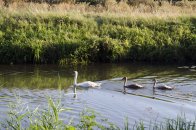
[63, 39]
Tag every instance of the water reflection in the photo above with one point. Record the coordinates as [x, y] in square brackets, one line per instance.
[56, 77]
[34, 83]
[51, 76]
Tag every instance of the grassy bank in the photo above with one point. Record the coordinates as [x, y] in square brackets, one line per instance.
[55, 36]
[20, 117]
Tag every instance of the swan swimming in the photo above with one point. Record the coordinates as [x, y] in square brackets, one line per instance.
[162, 87]
[85, 84]
[130, 86]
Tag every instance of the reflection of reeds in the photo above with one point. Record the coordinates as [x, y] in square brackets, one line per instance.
[1, 85]
[50, 77]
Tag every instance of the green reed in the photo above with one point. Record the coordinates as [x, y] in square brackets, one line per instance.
[21, 117]
[63, 39]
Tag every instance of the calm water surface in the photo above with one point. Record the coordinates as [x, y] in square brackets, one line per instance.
[32, 84]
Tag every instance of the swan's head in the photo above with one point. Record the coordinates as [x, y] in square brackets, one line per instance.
[124, 78]
[154, 80]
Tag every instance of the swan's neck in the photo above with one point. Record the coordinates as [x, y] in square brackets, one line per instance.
[75, 79]
[154, 84]
[125, 82]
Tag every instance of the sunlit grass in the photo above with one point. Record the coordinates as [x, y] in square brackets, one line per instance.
[81, 34]
[113, 9]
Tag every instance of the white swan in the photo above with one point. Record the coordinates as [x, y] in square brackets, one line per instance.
[86, 84]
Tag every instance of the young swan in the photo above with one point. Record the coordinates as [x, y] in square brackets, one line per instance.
[162, 87]
[130, 86]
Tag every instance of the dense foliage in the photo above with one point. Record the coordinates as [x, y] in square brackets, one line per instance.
[65, 39]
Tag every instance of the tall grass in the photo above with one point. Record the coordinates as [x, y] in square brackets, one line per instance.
[21, 117]
[35, 35]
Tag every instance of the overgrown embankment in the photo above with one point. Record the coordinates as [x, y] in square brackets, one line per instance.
[91, 38]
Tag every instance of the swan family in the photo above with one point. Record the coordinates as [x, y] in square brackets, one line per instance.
[90, 84]
[138, 86]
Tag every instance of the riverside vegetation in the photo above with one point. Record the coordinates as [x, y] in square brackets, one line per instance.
[69, 33]
[20, 117]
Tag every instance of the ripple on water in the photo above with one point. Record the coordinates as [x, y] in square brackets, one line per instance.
[109, 100]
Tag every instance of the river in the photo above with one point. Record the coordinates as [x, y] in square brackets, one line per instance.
[32, 84]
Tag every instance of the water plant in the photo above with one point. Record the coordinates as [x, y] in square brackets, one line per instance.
[21, 117]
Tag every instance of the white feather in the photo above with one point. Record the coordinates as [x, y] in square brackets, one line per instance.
[86, 84]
